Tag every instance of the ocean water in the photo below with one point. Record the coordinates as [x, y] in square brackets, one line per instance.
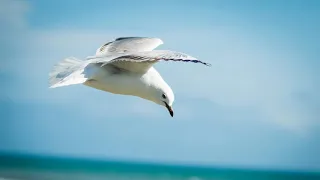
[13, 167]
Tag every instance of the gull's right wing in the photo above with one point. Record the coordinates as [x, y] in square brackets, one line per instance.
[142, 61]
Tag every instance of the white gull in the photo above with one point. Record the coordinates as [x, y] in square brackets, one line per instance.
[123, 66]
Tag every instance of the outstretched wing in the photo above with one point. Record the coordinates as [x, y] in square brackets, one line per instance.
[129, 44]
[142, 61]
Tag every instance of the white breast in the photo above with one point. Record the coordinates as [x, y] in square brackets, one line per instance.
[118, 83]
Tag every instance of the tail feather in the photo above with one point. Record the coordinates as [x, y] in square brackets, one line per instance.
[67, 72]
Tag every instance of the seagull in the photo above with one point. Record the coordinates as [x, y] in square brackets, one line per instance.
[123, 66]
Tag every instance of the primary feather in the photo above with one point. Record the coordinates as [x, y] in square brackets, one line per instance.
[142, 61]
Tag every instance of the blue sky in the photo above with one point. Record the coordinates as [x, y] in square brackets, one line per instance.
[257, 106]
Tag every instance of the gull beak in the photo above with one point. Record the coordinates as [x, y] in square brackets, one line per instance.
[169, 109]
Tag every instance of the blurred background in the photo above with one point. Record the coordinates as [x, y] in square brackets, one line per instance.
[256, 107]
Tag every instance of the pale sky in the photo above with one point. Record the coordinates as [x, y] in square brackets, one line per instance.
[257, 106]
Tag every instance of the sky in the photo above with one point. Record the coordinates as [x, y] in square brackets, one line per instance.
[256, 106]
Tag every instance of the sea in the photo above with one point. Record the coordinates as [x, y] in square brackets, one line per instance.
[27, 167]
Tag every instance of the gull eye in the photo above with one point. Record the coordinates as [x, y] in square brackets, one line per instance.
[164, 96]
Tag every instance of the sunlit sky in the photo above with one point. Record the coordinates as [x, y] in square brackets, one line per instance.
[257, 106]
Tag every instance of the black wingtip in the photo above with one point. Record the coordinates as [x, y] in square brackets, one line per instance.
[204, 63]
[207, 64]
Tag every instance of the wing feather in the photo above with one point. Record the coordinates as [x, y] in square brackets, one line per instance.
[129, 44]
[142, 61]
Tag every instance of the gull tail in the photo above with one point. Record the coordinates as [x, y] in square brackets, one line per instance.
[67, 72]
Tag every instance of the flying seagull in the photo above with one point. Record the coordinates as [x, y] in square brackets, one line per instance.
[122, 66]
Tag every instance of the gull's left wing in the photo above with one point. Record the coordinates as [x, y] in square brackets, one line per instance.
[129, 44]
[142, 61]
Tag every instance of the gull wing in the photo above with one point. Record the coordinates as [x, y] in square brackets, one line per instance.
[129, 44]
[142, 61]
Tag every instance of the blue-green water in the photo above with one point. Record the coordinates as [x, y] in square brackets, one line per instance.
[48, 168]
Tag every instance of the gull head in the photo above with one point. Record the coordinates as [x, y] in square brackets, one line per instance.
[159, 92]
[165, 97]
